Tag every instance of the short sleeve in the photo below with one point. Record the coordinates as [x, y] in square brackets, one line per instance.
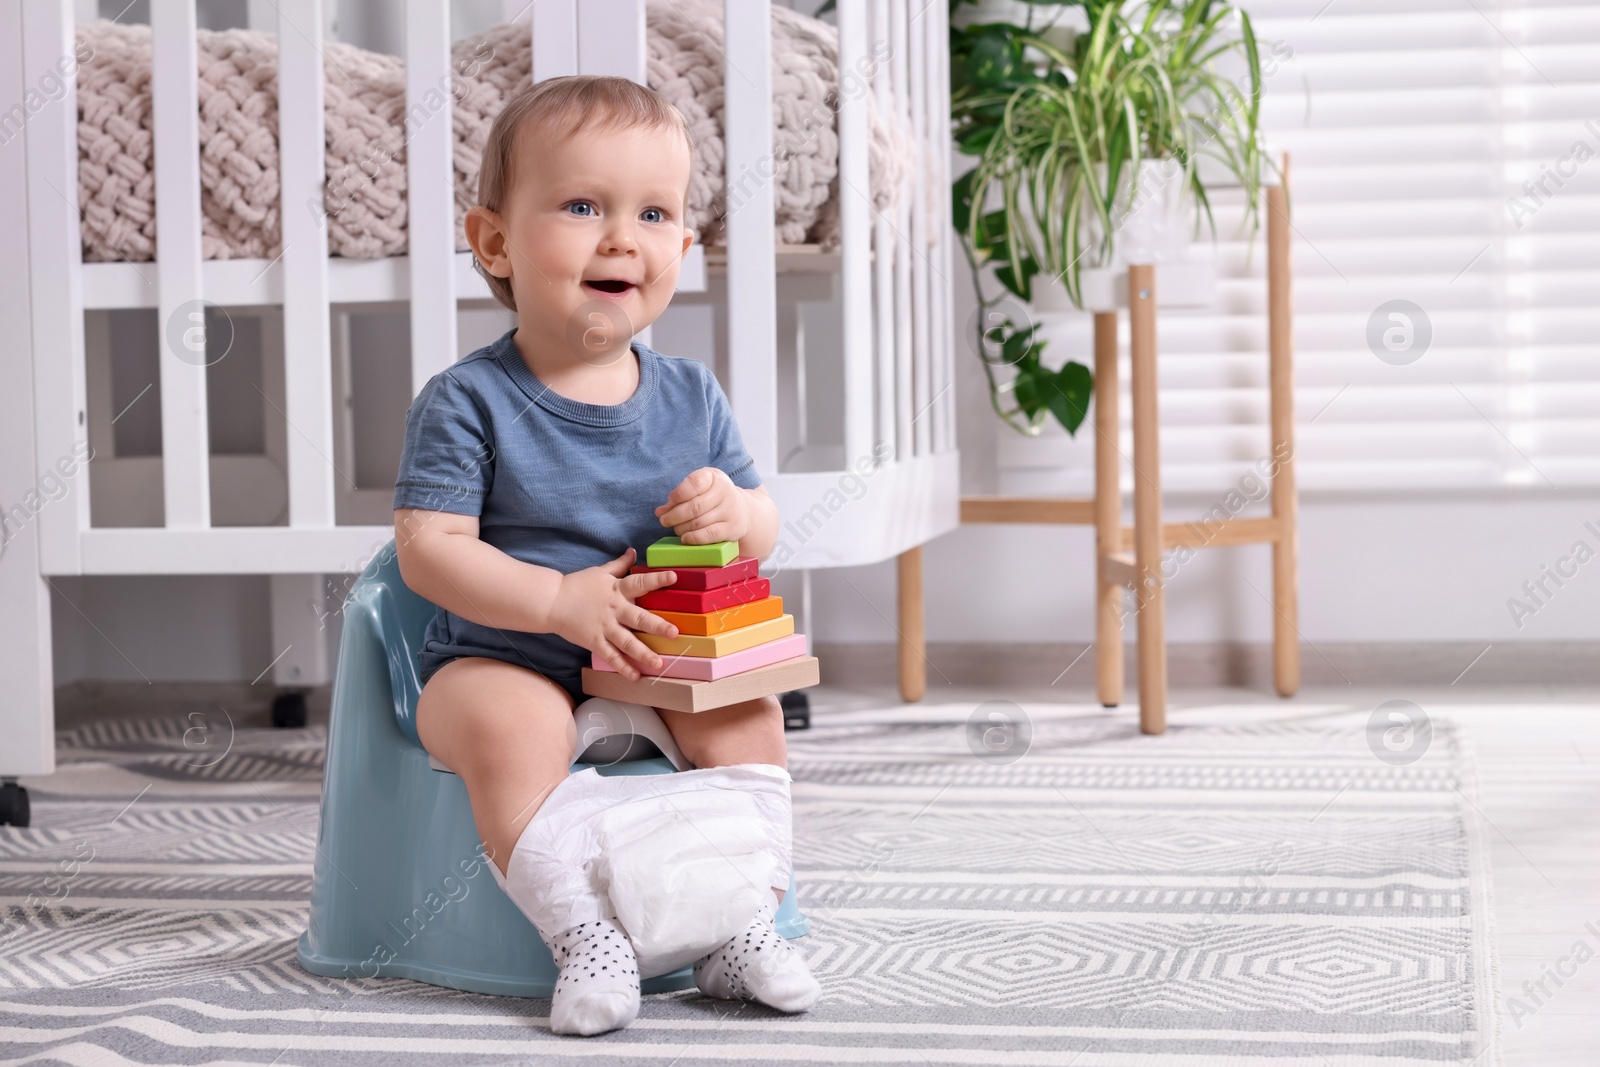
[725, 444]
[447, 461]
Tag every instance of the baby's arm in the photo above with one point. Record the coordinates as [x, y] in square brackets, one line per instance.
[706, 507]
[442, 558]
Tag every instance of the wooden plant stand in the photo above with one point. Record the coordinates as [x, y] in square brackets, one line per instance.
[1129, 556]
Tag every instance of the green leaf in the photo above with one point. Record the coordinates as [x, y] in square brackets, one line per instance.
[1019, 346]
[1026, 390]
[961, 201]
[991, 241]
[1023, 288]
[975, 142]
[1253, 55]
[995, 56]
[1066, 392]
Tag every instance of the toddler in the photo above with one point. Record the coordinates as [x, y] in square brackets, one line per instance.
[534, 473]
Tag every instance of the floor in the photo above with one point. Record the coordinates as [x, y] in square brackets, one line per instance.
[1538, 756]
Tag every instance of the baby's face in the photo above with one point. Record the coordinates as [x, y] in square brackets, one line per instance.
[596, 234]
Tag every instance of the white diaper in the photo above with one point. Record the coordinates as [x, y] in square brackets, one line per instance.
[682, 861]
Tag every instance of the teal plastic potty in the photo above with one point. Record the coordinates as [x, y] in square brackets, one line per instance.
[400, 887]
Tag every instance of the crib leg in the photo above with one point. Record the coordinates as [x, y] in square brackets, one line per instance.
[13, 803]
[298, 642]
[913, 650]
[27, 699]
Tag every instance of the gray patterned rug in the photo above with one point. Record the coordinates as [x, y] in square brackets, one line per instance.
[1263, 894]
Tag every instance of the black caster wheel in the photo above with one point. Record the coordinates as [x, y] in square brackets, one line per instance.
[13, 803]
[289, 711]
[796, 710]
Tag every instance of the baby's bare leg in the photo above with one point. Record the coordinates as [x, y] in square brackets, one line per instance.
[508, 732]
[750, 732]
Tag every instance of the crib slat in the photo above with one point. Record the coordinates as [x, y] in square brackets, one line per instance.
[51, 259]
[855, 273]
[185, 452]
[928, 176]
[430, 178]
[903, 339]
[752, 256]
[611, 38]
[555, 39]
[922, 348]
[307, 347]
[954, 346]
[943, 301]
[883, 355]
[883, 246]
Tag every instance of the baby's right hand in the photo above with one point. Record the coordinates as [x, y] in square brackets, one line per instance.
[594, 608]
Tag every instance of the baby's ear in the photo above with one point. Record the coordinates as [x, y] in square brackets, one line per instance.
[486, 236]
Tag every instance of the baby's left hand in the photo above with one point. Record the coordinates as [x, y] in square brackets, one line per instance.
[705, 508]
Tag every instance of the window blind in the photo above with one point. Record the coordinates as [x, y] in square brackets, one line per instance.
[1445, 185]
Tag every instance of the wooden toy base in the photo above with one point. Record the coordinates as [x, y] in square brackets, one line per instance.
[683, 694]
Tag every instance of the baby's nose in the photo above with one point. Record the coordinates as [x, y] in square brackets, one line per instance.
[620, 240]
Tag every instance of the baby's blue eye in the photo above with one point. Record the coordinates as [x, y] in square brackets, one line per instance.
[580, 203]
[657, 211]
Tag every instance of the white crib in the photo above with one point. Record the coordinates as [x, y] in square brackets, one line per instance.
[894, 295]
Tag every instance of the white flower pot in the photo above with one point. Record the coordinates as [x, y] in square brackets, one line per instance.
[1152, 222]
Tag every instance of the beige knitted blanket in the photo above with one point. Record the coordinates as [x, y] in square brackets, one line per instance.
[365, 105]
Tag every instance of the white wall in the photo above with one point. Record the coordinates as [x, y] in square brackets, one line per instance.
[189, 628]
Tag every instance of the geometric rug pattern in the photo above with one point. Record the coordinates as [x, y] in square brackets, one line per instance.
[1251, 894]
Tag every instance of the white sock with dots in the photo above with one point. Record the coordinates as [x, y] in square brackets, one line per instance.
[598, 988]
[550, 880]
[759, 964]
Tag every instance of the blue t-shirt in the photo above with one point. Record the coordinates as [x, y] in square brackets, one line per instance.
[557, 482]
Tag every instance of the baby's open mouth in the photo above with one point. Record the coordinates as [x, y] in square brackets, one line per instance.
[609, 285]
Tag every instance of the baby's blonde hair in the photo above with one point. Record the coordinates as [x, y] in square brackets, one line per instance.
[559, 108]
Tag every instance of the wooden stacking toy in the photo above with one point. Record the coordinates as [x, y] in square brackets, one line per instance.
[671, 552]
[734, 642]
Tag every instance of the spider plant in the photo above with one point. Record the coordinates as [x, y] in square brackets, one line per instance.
[1060, 134]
